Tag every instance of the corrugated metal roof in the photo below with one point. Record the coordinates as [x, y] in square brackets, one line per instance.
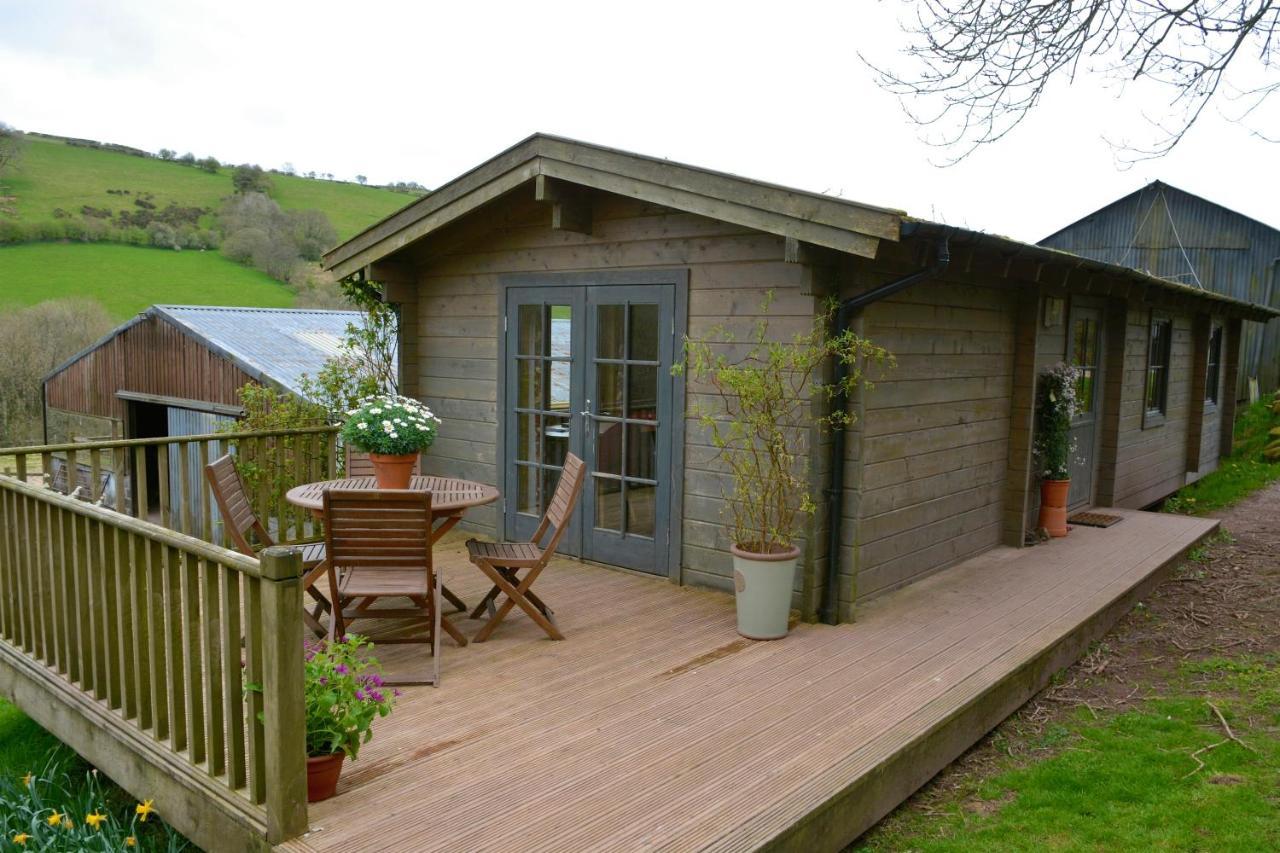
[275, 345]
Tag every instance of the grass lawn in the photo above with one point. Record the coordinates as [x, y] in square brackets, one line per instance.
[24, 746]
[1239, 475]
[127, 279]
[1132, 781]
[53, 174]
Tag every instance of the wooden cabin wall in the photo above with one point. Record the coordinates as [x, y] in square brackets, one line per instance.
[458, 275]
[1151, 461]
[149, 357]
[935, 436]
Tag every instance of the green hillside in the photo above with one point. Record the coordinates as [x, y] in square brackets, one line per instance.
[55, 175]
[126, 279]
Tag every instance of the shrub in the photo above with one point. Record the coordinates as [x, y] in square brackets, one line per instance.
[760, 426]
[1055, 406]
[247, 178]
[345, 693]
[209, 164]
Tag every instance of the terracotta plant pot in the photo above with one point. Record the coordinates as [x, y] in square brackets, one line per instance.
[1053, 506]
[393, 471]
[322, 776]
[762, 591]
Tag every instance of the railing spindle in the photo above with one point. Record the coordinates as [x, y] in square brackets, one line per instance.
[140, 496]
[213, 662]
[140, 598]
[124, 623]
[233, 683]
[73, 471]
[191, 590]
[253, 674]
[107, 613]
[158, 652]
[184, 488]
[84, 648]
[66, 581]
[95, 474]
[206, 496]
[120, 462]
[184, 651]
[166, 500]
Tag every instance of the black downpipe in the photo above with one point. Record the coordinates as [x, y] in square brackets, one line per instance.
[830, 610]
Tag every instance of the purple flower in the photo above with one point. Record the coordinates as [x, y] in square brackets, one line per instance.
[359, 695]
[375, 696]
[324, 680]
[341, 669]
[373, 679]
[395, 691]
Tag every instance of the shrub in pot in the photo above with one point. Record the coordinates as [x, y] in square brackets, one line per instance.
[345, 693]
[759, 425]
[393, 430]
[1055, 406]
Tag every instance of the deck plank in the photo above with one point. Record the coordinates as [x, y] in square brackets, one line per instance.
[654, 726]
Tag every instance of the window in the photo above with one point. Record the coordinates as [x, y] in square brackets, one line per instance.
[1158, 349]
[1213, 376]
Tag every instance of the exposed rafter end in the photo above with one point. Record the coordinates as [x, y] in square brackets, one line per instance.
[570, 204]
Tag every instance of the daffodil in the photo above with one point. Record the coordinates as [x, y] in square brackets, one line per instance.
[54, 819]
[28, 779]
[130, 841]
[144, 808]
[21, 838]
[95, 818]
[68, 823]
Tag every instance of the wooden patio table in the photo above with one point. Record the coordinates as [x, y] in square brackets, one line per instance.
[450, 499]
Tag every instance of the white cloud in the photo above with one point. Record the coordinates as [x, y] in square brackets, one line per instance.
[424, 91]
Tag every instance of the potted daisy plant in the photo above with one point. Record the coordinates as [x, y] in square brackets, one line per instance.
[393, 430]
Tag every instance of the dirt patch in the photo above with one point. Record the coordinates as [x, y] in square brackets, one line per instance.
[704, 659]
[1223, 601]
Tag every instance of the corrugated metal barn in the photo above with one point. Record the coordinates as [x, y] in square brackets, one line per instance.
[1177, 235]
[176, 370]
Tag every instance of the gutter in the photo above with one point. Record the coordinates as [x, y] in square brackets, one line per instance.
[830, 609]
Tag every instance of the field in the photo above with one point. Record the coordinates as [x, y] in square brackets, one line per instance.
[127, 279]
[54, 175]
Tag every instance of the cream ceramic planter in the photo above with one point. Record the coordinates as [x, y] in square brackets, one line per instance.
[762, 587]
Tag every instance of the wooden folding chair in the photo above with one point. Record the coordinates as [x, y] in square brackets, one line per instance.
[379, 545]
[360, 465]
[240, 521]
[503, 561]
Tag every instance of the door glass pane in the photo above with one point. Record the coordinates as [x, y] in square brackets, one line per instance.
[609, 447]
[642, 451]
[641, 502]
[530, 322]
[642, 392]
[561, 328]
[527, 437]
[560, 377]
[609, 389]
[555, 440]
[530, 390]
[527, 490]
[643, 344]
[1084, 391]
[610, 328]
[608, 504]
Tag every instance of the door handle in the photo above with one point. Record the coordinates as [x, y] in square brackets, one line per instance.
[586, 413]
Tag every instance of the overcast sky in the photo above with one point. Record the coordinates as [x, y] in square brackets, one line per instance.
[423, 91]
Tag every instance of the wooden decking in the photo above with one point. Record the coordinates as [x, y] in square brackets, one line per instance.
[654, 726]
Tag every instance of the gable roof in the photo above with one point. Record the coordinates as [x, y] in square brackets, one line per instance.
[815, 218]
[275, 346]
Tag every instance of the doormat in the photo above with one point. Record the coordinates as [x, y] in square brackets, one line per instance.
[1094, 519]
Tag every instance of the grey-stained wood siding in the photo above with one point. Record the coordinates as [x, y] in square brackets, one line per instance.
[934, 442]
[730, 271]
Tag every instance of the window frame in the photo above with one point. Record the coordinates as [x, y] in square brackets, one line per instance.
[1213, 367]
[1155, 416]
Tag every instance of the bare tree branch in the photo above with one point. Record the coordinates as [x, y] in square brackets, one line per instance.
[986, 64]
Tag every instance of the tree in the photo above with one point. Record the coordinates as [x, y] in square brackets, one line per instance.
[988, 64]
[36, 340]
[250, 179]
[187, 159]
[288, 169]
[209, 164]
[361, 180]
[167, 154]
[312, 233]
[12, 144]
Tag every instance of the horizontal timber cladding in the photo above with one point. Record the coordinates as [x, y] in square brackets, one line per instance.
[925, 470]
[148, 357]
[1151, 461]
[731, 269]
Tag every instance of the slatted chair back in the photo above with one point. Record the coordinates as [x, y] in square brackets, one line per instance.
[563, 501]
[386, 529]
[360, 465]
[233, 504]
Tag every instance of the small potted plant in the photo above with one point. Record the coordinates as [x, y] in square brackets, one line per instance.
[760, 427]
[345, 693]
[1055, 406]
[393, 430]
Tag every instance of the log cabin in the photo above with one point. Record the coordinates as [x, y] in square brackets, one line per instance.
[545, 294]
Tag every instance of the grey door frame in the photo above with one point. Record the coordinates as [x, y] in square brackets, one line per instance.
[678, 278]
[1098, 310]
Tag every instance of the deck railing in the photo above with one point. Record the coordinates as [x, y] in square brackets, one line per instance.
[173, 665]
[162, 479]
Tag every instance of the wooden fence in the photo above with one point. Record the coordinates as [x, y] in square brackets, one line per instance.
[161, 479]
[137, 646]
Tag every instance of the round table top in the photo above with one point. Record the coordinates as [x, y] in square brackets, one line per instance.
[448, 494]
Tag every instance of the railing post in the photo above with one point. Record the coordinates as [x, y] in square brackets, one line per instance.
[284, 722]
